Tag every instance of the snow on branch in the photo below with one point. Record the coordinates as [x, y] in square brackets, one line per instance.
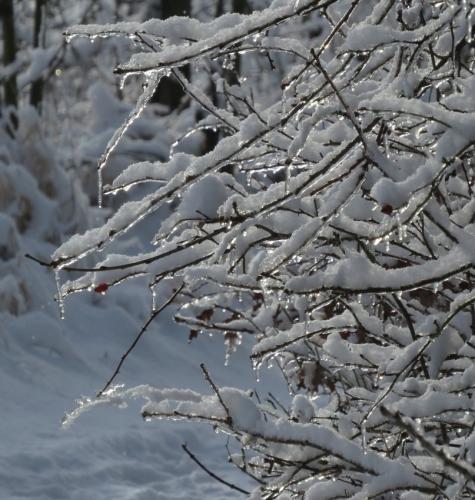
[332, 220]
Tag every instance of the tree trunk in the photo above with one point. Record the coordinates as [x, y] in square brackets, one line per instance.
[9, 54]
[241, 7]
[169, 92]
[36, 96]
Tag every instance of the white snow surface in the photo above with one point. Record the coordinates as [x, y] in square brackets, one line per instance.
[107, 453]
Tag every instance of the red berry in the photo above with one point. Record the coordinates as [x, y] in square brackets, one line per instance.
[101, 288]
[387, 209]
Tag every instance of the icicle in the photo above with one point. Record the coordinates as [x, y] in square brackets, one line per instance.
[265, 291]
[364, 437]
[288, 174]
[99, 187]
[469, 17]
[152, 80]
[227, 354]
[286, 99]
[249, 181]
[123, 78]
[256, 366]
[400, 231]
[60, 294]
[154, 298]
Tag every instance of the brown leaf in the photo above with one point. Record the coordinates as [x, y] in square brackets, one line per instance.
[311, 376]
[426, 297]
[230, 337]
[193, 335]
[205, 315]
[258, 299]
[361, 335]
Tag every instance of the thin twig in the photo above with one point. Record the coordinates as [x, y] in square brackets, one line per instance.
[348, 110]
[127, 265]
[212, 474]
[137, 338]
[326, 42]
[229, 419]
[410, 325]
[461, 466]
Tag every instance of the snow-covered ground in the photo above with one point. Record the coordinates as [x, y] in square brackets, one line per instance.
[108, 453]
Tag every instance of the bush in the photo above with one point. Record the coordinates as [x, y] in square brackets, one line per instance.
[333, 222]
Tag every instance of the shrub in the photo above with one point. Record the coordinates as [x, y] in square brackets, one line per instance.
[333, 222]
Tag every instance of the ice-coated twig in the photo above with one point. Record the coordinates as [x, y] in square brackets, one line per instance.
[154, 314]
[229, 419]
[459, 465]
[151, 82]
[211, 473]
